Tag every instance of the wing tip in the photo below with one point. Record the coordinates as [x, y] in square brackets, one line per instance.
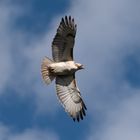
[68, 21]
[80, 115]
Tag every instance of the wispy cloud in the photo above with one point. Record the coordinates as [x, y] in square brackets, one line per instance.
[104, 40]
[121, 122]
[107, 35]
[6, 133]
[20, 59]
[6, 62]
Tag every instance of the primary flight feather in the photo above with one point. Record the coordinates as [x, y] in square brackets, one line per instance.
[62, 68]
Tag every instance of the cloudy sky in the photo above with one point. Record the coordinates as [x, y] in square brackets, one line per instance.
[107, 43]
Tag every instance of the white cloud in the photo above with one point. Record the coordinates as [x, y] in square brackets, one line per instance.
[8, 40]
[5, 57]
[20, 60]
[107, 34]
[105, 31]
[6, 133]
[105, 37]
[121, 123]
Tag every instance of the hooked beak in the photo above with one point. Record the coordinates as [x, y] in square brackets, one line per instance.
[81, 67]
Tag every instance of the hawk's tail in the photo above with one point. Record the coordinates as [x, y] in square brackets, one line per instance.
[48, 77]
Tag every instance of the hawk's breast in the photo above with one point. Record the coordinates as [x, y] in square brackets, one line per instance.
[63, 68]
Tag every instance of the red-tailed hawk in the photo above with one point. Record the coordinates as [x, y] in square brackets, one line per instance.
[62, 68]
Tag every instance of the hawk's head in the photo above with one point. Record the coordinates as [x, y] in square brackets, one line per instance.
[79, 66]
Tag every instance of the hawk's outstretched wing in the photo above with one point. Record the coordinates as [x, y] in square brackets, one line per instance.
[69, 96]
[63, 42]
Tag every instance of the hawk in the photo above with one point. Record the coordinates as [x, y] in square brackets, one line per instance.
[62, 68]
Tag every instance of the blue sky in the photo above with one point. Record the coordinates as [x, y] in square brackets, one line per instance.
[107, 43]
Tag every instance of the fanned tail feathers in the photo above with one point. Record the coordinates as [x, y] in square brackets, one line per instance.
[47, 76]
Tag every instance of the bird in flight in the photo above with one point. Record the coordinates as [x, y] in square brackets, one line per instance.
[62, 68]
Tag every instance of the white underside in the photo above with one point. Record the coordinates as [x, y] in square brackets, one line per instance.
[62, 68]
